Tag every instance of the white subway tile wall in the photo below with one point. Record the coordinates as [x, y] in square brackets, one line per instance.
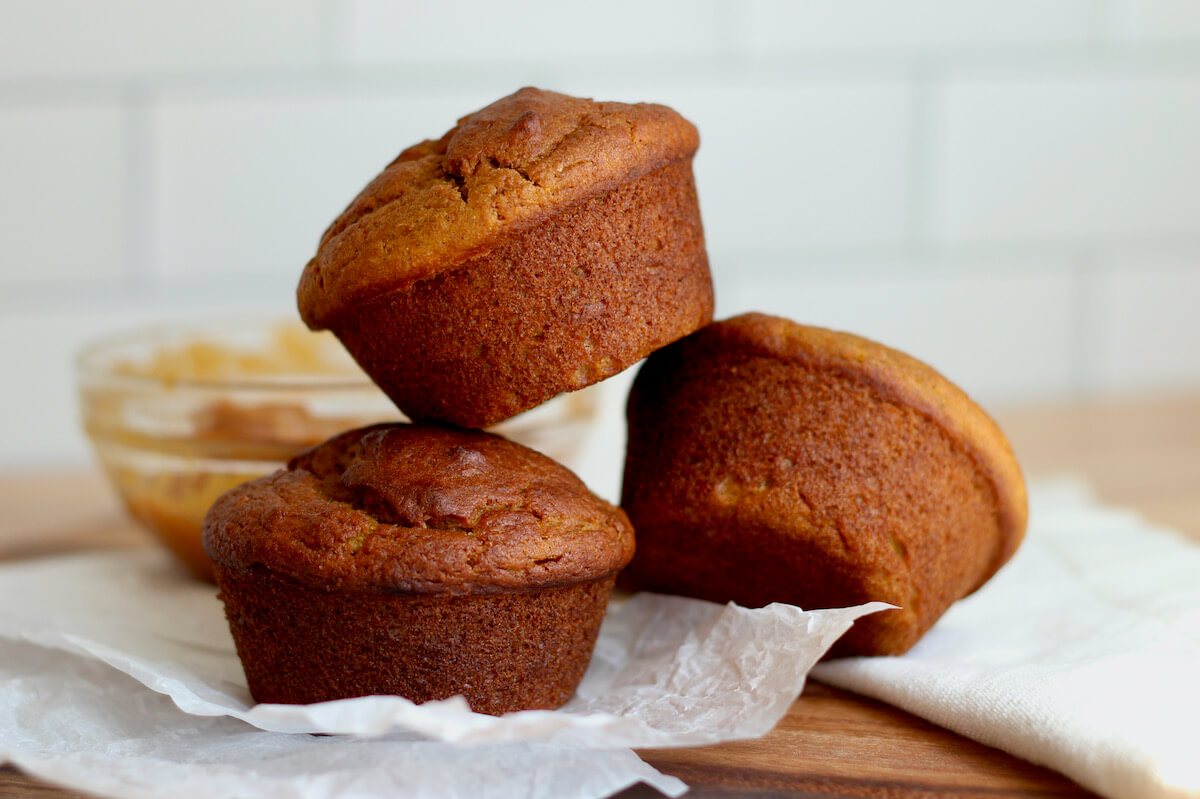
[481, 34]
[83, 39]
[1153, 20]
[1147, 309]
[783, 182]
[1008, 190]
[63, 204]
[249, 182]
[885, 25]
[1098, 155]
[1004, 331]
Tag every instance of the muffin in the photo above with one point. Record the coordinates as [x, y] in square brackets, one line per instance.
[772, 462]
[541, 245]
[418, 561]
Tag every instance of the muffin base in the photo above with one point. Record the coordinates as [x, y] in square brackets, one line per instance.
[558, 306]
[502, 651]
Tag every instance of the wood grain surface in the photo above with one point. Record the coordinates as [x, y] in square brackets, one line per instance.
[1142, 453]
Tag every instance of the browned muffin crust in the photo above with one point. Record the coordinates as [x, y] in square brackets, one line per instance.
[543, 244]
[501, 169]
[769, 461]
[568, 303]
[502, 651]
[418, 509]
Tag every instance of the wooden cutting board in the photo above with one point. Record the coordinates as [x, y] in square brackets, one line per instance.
[1142, 454]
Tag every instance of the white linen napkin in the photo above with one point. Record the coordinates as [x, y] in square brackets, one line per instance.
[1082, 654]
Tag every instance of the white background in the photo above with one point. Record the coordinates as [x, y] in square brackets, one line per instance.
[1009, 190]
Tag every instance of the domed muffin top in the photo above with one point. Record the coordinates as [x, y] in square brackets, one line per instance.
[497, 171]
[890, 374]
[420, 509]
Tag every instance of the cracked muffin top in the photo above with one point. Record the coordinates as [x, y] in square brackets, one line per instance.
[497, 171]
[420, 509]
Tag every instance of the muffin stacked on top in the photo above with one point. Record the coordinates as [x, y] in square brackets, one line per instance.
[541, 245]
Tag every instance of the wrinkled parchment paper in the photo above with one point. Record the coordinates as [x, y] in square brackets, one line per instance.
[118, 676]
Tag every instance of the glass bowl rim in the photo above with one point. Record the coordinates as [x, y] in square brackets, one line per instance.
[93, 360]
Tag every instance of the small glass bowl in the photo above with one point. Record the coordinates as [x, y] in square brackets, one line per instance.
[180, 414]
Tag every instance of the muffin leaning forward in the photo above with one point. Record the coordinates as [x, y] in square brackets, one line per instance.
[773, 462]
[418, 561]
[543, 244]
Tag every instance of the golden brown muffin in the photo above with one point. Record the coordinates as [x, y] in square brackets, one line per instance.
[543, 244]
[772, 462]
[418, 561]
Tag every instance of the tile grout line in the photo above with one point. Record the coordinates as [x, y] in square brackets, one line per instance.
[731, 57]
